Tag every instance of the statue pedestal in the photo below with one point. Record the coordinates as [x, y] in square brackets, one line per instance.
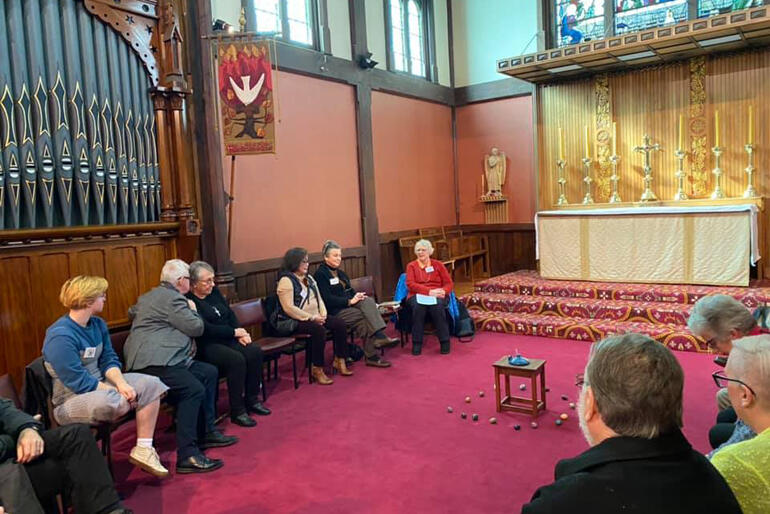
[495, 208]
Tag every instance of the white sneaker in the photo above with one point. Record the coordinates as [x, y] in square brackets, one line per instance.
[148, 460]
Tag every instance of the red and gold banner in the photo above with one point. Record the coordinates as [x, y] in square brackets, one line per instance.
[246, 97]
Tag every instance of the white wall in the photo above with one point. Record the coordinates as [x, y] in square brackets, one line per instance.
[441, 23]
[227, 10]
[339, 27]
[375, 31]
[487, 30]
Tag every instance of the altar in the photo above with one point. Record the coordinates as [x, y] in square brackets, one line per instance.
[710, 245]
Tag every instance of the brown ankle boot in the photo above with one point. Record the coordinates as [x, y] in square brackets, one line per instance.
[319, 376]
[339, 365]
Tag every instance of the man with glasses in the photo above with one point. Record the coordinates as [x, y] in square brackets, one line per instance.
[746, 465]
[630, 412]
[160, 344]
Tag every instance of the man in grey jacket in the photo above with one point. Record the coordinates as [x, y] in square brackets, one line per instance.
[160, 344]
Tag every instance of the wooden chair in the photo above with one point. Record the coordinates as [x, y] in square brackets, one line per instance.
[8, 390]
[366, 285]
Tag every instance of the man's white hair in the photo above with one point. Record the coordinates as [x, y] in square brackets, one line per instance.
[173, 270]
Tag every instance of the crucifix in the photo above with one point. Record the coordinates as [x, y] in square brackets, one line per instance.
[646, 148]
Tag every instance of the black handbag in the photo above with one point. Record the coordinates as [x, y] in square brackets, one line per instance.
[281, 324]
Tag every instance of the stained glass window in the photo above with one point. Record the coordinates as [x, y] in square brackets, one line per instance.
[713, 7]
[579, 20]
[633, 15]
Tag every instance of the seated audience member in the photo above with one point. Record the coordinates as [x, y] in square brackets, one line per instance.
[160, 344]
[429, 286]
[88, 386]
[63, 460]
[746, 465]
[720, 319]
[227, 346]
[356, 309]
[300, 300]
[630, 412]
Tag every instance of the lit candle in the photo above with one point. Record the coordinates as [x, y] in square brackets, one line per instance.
[681, 132]
[614, 138]
[588, 149]
[751, 124]
[716, 128]
[561, 145]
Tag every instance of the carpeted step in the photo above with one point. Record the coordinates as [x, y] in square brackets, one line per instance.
[659, 313]
[673, 336]
[528, 282]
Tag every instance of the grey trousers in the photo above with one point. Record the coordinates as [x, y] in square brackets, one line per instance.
[16, 491]
[365, 320]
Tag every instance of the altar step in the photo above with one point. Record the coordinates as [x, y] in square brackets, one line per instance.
[528, 282]
[676, 337]
[659, 313]
[524, 303]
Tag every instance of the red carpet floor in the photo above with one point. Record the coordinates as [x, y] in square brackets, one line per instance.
[382, 440]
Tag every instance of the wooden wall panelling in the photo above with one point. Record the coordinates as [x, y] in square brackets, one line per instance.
[511, 246]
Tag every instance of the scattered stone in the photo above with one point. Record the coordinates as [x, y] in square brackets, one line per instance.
[517, 427]
[467, 399]
[533, 424]
[475, 417]
[493, 421]
[481, 394]
[572, 405]
[523, 387]
[565, 397]
[450, 410]
[559, 422]
[463, 415]
[563, 416]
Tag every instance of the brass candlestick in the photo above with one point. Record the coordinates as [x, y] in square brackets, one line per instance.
[614, 197]
[587, 199]
[680, 175]
[750, 191]
[717, 171]
[562, 182]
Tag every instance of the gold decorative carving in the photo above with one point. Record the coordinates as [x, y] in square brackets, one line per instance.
[699, 176]
[602, 131]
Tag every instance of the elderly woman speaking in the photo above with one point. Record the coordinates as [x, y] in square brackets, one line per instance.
[429, 286]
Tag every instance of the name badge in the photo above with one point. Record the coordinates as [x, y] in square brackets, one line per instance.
[334, 281]
[303, 294]
[429, 269]
[89, 353]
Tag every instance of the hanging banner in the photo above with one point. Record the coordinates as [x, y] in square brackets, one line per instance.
[246, 97]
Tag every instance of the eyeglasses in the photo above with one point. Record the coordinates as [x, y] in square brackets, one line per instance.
[208, 281]
[305, 261]
[712, 343]
[580, 380]
[721, 381]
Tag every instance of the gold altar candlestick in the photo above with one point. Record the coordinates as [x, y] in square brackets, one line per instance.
[614, 178]
[562, 183]
[648, 195]
[680, 174]
[587, 199]
[717, 171]
[750, 191]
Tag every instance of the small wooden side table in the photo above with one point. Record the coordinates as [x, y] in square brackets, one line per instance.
[533, 404]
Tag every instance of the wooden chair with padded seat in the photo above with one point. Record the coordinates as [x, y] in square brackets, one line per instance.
[8, 390]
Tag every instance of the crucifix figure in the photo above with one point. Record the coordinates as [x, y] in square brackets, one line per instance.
[646, 148]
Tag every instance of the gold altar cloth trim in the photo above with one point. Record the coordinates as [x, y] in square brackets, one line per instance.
[712, 247]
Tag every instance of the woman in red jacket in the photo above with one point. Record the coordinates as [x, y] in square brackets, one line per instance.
[429, 286]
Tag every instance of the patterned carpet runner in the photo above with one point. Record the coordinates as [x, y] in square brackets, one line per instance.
[525, 304]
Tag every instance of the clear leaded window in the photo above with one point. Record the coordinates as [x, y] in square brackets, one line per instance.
[578, 20]
[291, 20]
[407, 36]
[712, 7]
[633, 15]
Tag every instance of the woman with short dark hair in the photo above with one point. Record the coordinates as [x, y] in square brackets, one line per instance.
[300, 300]
[227, 345]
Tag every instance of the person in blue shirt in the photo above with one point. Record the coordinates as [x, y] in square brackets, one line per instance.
[88, 385]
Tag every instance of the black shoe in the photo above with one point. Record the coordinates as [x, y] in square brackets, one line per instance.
[444, 347]
[216, 439]
[243, 420]
[198, 464]
[259, 409]
[416, 348]
[377, 362]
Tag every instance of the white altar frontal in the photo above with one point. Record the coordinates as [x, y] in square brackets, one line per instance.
[711, 245]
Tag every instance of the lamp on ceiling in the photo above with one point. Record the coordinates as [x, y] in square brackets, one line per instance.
[222, 26]
[366, 62]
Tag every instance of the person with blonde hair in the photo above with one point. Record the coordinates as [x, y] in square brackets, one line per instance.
[88, 385]
[429, 285]
[746, 465]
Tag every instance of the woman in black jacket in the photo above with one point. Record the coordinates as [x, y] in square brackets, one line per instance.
[356, 309]
[227, 346]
